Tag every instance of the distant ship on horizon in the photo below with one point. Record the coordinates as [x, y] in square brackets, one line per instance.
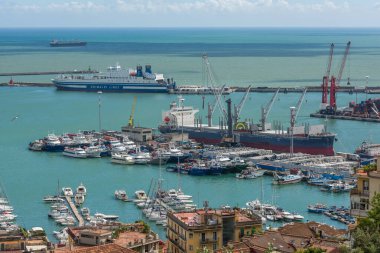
[67, 43]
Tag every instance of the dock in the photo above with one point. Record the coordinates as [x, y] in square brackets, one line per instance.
[41, 73]
[75, 211]
[324, 116]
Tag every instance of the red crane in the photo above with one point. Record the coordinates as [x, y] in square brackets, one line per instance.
[325, 80]
[335, 81]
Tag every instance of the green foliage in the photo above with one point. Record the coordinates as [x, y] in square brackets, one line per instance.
[203, 250]
[311, 250]
[146, 228]
[367, 235]
[370, 167]
[24, 232]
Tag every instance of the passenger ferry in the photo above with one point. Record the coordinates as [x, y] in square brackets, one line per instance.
[116, 79]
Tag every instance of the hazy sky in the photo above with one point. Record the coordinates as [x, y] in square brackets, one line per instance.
[195, 13]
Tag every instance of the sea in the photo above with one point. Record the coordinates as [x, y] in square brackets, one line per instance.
[267, 57]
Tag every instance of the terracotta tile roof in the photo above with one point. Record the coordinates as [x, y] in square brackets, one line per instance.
[263, 242]
[327, 230]
[297, 229]
[107, 248]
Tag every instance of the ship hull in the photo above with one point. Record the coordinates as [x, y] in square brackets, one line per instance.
[315, 145]
[111, 87]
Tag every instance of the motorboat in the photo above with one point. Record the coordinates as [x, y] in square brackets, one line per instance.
[122, 158]
[116, 146]
[49, 199]
[106, 216]
[79, 199]
[140, 196]
[93, 151]
[297, 217]
[81, 189]
[67, 191]
[75, 152]
[142, 158]
[287, 179]
[121, 195]
[36, 145]
[80, 139]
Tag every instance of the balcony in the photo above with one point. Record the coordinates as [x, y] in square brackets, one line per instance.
[208, 240]
[355, 191]
[176, 243]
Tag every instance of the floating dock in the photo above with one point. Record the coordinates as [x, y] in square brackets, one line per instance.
[320, 115]
[75, 211]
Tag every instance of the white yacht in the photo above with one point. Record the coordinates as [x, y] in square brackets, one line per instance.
[116, 146]
[81, 189]
[80, 139]
[122, 158]
[106, 216]
[140, 196]
[75, 152]
[93, 151]
[142, 158]
[78, 199]
[121, 195]
[67, 191]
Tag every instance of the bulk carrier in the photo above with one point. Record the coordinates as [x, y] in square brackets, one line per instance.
[309, 139]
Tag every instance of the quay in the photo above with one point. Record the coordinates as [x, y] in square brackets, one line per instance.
[41, 73]
[320, 115]
[75, 211]
[347, 89]
[27, 84]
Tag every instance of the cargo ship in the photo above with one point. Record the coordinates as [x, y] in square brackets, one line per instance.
[68, 43]
[116, 79]
[309, 139]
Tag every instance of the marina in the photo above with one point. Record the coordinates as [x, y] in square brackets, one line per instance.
[225, 177]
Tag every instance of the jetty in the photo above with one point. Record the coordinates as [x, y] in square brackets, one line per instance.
[41, 73]
[358, 118]
[75, 211]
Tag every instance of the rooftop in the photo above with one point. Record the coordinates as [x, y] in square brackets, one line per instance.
[131, 238]
[107, 248]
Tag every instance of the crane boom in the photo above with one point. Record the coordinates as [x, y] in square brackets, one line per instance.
[299, 103]
[240, 106]
[265, 110]
[343, 64]
[325, 81]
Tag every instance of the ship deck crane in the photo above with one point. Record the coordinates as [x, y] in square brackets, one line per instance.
[131, 117]
[265, 110]
[240, 106]
[298, 107]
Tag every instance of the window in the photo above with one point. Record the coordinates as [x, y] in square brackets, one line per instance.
[191, 235]
[214, 246]
[203, 237]
[191, 247]
[214, 236]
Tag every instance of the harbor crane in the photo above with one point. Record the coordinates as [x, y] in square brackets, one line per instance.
[239, 107]
[336, 81]
[131, 117]
[326, 77]
[297, 108]
[216, 91]
[265, 110]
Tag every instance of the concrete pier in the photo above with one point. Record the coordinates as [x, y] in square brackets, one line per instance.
[75, 211]
[40, 73]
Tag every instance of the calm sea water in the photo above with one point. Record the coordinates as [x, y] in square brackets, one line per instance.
[263, 57]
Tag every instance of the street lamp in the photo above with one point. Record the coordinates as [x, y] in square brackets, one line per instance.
[100, 105]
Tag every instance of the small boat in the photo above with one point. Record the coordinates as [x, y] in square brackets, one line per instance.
[93, 151]
[106, 216]
[121, 195]
[37, 145]
[287, 179]
[142, 158]
[297, 217]
[140, 196]
[317, 208]
[49, 199]
[78, 199]
[75, 152]
[81, 189]
[67, 191]
[122, 158]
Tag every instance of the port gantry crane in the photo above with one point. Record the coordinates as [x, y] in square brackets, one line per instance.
[265, 110]
[330, 108]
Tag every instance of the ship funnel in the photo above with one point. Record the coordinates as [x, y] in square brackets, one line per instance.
[139, 71]
[148, 69]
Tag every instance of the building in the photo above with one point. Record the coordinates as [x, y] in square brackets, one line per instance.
[139, 134]
[368, 184]
[211, 229]
[15, 241]
[298, 236]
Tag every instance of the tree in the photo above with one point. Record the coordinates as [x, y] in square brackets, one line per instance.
[367, 234]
